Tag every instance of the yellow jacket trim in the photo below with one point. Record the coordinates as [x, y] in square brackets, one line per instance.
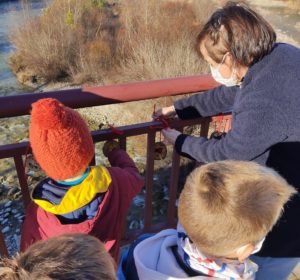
[80, 195]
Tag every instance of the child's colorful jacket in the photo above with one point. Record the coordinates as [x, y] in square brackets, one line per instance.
[96, 205]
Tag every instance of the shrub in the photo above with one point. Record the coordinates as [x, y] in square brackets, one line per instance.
[56, 44]
[102, 42]
[156, 39]
[294, 4]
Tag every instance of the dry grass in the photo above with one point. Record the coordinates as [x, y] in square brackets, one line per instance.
[294, 4]
[94, 41]
[63, 41]
[157, 38]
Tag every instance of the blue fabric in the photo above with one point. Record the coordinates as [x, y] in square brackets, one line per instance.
[75, 182]
[126, 268]
[265, 128]
[53, 192]
[274, 268]
[121, 270]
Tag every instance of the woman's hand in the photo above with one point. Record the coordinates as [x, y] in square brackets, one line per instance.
[165, 111]
[170, 135]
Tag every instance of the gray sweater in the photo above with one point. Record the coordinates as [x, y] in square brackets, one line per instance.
[265, 128]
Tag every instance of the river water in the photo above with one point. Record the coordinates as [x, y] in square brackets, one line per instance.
[12, 15]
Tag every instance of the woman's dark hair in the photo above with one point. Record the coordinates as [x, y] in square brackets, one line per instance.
[239, 30]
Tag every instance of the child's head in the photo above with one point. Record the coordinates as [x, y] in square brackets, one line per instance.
[227, 207]
[70, 256]
[60, 139]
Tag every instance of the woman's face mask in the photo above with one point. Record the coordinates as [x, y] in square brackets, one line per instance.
[231, 81]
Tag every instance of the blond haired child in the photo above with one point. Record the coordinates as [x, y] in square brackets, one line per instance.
[226, 209]
[69, 256]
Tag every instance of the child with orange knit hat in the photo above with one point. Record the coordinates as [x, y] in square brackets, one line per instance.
[76, 197]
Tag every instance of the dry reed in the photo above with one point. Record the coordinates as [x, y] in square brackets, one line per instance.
[99, 42]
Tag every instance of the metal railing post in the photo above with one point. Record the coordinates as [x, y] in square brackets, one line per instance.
[3, 248]
[123, 143]
[22, 179]
[174, 177]
[149, 180]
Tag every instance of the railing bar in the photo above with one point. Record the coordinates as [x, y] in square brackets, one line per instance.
[149, 180]
[174, 178]
[227, 123]
[3, 248]
[22, 179]
[11, 150]
[204, 127]
[123, 142]
[18, 105]
[138, 129]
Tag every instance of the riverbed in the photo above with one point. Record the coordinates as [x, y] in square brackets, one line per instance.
[12, 15]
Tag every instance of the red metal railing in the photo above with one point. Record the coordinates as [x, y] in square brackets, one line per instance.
[11, 106]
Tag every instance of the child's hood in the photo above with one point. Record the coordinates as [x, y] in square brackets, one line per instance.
[154, 259]
[60, 199]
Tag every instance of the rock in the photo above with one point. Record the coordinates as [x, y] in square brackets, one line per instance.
[17, 195]
[25, 77]
[141, 224]
[4, 221]
[14, 211]
[5, 230]
[6, 215]
[139, 201]
[30, 173]
[17, 241]
[8, 203]
[21, 218]
[134, 225]
[12, 190]
[10, 179]
[7, 210]
[2, 189]
[26, 139]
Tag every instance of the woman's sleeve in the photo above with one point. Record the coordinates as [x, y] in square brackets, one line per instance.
[209, 103]
[254, 131]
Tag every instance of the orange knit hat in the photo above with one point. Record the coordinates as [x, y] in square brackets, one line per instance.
[60, 139]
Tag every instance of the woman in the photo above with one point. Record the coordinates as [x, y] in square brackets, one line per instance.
[261, 87]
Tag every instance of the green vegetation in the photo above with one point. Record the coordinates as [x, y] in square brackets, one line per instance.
[99, 3]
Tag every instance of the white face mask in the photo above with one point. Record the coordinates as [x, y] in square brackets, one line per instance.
[231, 81]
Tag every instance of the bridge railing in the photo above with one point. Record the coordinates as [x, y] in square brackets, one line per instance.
[18, 105]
